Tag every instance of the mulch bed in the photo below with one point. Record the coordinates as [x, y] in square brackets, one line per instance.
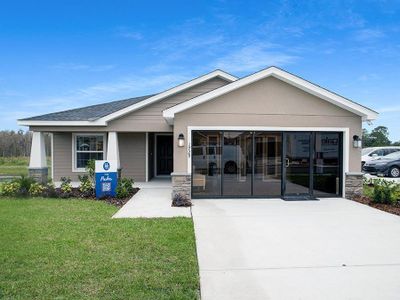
[393, 209]
[110, 200]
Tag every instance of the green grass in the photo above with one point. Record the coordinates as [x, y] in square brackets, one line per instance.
[72, 249]
[17, 166]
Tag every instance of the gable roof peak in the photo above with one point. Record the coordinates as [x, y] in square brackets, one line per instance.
[366, 113]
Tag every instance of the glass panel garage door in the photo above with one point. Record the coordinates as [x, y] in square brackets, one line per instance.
[237, 162]
[266, 164]
[206, 163]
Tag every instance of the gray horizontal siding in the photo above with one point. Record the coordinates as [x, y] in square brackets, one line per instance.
[62, 156]
[150, 118]
[132, 152]
[132, 148]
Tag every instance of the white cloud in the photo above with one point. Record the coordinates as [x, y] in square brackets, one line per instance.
[365, 35]
[131, 35]
[81, 67]
[367, 77]
[123, 88]
[390, 109]
[253, 58]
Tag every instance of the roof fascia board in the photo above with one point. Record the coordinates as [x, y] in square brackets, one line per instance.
[313, 89]
[60, 123]
[167, 93]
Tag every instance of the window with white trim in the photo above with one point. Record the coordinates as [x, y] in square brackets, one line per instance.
[87, 147]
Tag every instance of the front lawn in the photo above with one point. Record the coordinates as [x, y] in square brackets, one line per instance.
[17, 166]
[72, 249]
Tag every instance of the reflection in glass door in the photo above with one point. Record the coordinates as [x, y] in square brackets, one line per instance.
[297, 166]
[237, 163]
[267, 164]
[206, 163]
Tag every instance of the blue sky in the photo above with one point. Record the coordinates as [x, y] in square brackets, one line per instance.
[56, 55]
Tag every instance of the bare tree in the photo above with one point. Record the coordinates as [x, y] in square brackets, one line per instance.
[18, 143]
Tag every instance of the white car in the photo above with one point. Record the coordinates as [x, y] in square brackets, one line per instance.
[368, 154]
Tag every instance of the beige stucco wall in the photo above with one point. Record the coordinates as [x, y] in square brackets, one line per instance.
[268, 102]
[132, 155]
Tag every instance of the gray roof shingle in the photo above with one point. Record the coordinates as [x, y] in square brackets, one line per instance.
[89, 113]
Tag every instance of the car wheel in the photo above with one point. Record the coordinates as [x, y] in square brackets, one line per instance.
[230, 167]
[394, 172]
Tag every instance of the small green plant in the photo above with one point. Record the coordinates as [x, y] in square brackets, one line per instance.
[385, 192]
[36, 189]
[24, 185]
[86, 186]
[90, 168]
[11, 188]
[66, 187]
[49, 189]
[182, 200]
[124, 188]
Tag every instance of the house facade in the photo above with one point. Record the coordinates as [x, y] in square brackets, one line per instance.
[270, 134]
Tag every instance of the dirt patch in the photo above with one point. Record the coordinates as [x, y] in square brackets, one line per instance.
[393, 209]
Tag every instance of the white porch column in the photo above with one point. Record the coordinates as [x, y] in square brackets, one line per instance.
[112, 148]
[38, 162]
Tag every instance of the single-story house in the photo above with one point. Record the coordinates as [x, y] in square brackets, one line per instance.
[269, 134]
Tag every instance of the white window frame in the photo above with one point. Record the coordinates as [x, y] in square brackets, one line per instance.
[74, 151]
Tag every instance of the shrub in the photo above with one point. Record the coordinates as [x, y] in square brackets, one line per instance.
[124, 188]
[36, 189]
[49, 190]
[24, 185]
[11, 188]
[385, 192]
[181, 200]
[66, 187]
[85, 187]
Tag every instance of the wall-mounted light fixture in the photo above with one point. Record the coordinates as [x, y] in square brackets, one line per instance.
[357, 141]
[181, 140]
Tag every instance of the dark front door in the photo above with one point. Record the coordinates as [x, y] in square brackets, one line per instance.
[164, 155]
[297, 165]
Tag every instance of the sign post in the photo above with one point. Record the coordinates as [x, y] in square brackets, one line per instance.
[106, 178]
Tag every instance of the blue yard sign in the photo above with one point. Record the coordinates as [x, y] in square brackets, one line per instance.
[106, 178]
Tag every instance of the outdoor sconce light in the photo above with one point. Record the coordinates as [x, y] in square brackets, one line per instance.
[181, 140]
[356, 141]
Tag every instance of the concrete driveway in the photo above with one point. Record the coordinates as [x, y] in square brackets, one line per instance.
[272, 249]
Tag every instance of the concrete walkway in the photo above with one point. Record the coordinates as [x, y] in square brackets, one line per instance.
[152, 201]
[272, 249]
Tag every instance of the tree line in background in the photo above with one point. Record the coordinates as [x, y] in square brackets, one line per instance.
[378, 137]
[18, 143]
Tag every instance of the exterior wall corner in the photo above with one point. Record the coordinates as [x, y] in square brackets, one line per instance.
[181, 184]
[353, 184]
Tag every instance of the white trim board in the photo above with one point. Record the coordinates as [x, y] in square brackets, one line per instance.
[52, 155]
[344, 130]
[147, 156]
[366, 113]
[104, 120]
